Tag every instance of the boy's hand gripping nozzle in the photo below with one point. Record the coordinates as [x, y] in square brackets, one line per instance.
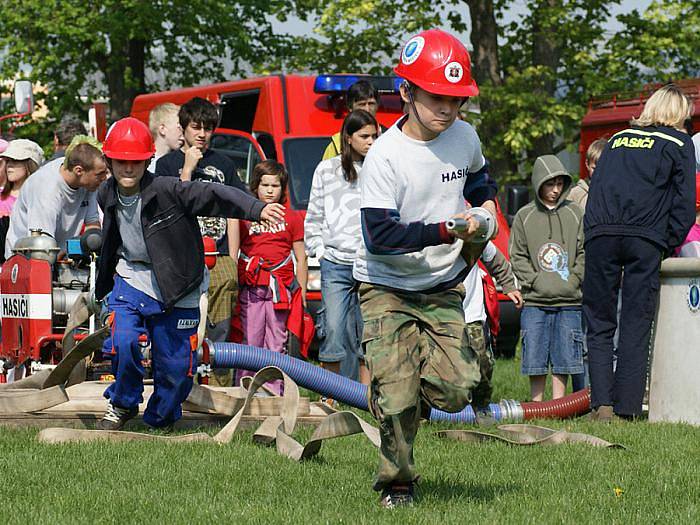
[486, 221]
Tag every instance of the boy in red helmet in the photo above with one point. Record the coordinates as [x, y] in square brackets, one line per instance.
[417, 176]
[152, 262]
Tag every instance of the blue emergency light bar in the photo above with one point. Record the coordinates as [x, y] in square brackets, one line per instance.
[339, 84]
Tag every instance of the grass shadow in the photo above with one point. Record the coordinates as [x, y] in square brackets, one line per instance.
[447, 490]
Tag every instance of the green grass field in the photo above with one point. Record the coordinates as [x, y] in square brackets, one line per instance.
[656, 480]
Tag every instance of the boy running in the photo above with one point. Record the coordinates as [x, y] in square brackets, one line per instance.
[152, 260]
[415, 177]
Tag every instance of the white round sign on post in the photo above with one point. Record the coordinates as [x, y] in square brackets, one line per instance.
[693, 296]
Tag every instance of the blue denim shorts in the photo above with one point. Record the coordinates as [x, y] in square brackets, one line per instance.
[552, 337]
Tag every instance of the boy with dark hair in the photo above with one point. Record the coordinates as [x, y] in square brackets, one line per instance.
[152, 260]
[546, 251]
[195, 161]
[361, 95]
[415, 177]
[67, 129]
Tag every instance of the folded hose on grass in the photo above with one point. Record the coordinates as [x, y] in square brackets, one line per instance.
[317, 379]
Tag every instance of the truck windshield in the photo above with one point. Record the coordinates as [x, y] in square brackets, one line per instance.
[301, 156]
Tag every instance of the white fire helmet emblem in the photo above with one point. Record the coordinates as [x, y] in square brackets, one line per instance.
[454, 72]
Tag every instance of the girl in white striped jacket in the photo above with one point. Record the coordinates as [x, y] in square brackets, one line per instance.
[332, 232]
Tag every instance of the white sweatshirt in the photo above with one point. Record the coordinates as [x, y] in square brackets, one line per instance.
[332, 226]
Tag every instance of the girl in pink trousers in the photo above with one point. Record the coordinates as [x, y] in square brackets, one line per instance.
[266, 269]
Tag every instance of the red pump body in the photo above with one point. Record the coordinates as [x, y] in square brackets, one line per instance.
[26, 308]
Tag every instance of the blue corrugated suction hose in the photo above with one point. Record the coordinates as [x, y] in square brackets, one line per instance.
[315, 378]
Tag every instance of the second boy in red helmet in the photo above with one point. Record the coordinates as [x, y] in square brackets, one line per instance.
[152, 262]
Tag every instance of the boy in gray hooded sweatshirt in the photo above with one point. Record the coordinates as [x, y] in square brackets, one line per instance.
[546, 252]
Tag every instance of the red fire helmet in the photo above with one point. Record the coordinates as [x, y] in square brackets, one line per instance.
[439, 63]
[129, 139]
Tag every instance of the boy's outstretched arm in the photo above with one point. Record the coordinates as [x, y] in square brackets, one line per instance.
[217, 200]
[385, 234]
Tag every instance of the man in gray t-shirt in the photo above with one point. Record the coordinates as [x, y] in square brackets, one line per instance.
[60, 197]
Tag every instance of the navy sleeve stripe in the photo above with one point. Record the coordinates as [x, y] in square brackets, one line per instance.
[385, 234]
[480, 187]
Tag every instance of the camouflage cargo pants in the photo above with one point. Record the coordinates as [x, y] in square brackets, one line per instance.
[481, 395]
[418, 353]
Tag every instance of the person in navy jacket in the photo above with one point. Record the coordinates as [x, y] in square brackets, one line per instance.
[640, 207]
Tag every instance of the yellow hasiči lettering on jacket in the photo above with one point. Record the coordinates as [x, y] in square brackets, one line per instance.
[633, 142]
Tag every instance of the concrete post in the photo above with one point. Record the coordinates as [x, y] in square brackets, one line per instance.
[674, 393]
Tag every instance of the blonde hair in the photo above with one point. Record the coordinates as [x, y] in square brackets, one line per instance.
[595, 150]
[668, 106]
[158, 115]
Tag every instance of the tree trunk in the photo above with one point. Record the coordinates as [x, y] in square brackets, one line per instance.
[487, 72]
[545, 52]
[125, 71]
[484, 39]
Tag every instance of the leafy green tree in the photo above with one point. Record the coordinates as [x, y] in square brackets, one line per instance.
[533, 72]
[536, 73]
[352, 35]
[105, 48]
[547, 74]
[662, 43]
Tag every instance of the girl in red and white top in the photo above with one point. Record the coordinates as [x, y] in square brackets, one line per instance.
[266, 272]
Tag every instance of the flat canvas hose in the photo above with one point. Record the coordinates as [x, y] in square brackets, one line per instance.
[234, 355]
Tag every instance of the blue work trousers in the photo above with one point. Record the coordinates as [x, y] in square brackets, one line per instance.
[173, 337]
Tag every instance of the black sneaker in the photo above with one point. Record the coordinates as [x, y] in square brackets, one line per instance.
[398, 496]
[116, 417]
